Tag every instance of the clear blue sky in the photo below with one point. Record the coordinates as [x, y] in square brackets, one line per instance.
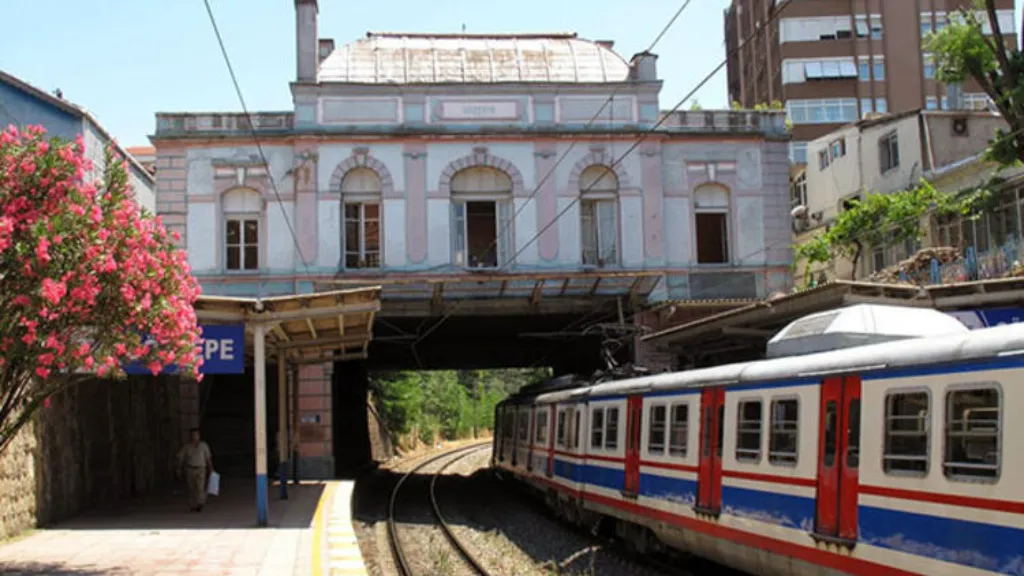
[124, 60]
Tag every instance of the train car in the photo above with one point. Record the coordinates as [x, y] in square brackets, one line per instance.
[873, 440]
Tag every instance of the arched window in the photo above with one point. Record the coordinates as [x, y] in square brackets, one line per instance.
[481, 217]
[242, 209]
[360, 192]
[599, 223]
[711, 215]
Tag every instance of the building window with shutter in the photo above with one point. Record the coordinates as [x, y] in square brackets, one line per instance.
[360, 193]
[243, 214]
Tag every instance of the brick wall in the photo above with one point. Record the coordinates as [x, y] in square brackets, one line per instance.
[171, 184]
[97, 442]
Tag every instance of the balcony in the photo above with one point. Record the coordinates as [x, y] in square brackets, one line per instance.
[222, 124]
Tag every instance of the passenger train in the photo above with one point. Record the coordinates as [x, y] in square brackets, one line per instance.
[873, 440]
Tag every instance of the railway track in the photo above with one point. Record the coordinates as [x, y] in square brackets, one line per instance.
[401, 561]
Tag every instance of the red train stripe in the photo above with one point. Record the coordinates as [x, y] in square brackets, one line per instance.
[807, 554]
[1014, 507]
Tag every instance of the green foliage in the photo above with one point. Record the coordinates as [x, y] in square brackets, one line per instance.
[776, 105]
[695, 106]
[449, 403]
[887, 219]
[963, 51]
[736, 105]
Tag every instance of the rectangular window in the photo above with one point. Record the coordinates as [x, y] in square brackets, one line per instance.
[906, 433]
[560, 429]
[928, 61]
[882, 105]
[678, 430]
[611, 430]
[972, 433]
[864, 71]
[888, 152]
[931, 103]
[798, 152]
[782, 444]
[575, 428]
[879, 70]
[748, 431]
[541, 436]
[524, 426]
[599, 232]
[362, 235]
[822, 111]
[823, 159]
[597, 428]
[837, 148]
[656, 431]
[242, 244]
[712, 237]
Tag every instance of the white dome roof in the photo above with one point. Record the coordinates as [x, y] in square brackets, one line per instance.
[386, 58]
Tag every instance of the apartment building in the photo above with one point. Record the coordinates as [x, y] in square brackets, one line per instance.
[894, 152]
[833, 62]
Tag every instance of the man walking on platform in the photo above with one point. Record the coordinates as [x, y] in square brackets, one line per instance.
[196, 461]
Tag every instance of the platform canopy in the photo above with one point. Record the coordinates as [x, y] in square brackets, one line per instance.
[483, 292]
[307, 328]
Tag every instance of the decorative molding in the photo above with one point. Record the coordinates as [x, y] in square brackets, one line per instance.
[414, 155]
[480, 157]
[361, 158]
[602, 158]
[545, 154]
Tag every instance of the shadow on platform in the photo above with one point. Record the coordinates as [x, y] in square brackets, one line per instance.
[234, 508]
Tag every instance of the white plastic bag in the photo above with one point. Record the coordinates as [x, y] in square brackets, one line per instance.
[213, 484]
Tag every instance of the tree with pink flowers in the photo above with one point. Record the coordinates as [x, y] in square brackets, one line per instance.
[88, 280]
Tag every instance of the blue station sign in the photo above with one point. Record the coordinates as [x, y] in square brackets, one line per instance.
[987, 317]
[223, 348]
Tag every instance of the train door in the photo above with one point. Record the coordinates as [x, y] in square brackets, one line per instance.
[712, 427]
[634, 417]
[517, 440]
[552, 432]
[838, 459]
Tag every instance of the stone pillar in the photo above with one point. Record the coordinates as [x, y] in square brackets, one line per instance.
[316, 457]
[171, 188]
[305, 204]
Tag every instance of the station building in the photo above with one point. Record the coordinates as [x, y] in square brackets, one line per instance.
[528, 175]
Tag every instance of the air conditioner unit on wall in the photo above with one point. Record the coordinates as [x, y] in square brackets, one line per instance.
[960, 126]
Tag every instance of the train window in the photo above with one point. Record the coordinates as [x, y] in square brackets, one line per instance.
[524, 426]
[678, 430]
[656, 430]
[541, 435]
[782, 443]
[576, 428]
[560, 430]
[509, 426]
[972, 433]
[748, 431]
[611, 431]
[853, 434]
[906, 433]
[830, 434]
[597, 428]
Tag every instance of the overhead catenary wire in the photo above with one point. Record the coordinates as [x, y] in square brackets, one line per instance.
[255, 137]
[775, 14]
[504, 229]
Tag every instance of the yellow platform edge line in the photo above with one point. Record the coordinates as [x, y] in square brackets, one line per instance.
[318, 527]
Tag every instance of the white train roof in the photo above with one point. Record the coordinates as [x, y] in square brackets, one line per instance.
[860, 325]
[958, 346]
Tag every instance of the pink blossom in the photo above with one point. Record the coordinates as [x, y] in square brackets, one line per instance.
[53, 291]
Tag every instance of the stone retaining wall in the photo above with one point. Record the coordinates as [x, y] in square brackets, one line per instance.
[97, 442]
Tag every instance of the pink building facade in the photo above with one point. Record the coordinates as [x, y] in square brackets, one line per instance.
[410, 154]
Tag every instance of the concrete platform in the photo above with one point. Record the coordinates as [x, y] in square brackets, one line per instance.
[160, 536]
[343, 555]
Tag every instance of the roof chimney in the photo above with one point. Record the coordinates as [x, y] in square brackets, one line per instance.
[326, 48]
[607, 44]
[306, 60]
[644, 67]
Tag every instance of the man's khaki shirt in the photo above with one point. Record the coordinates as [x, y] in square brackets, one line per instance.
[195, 456]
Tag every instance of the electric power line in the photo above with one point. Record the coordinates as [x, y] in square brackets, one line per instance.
[554, 167]
[255, 137]
[775, 14]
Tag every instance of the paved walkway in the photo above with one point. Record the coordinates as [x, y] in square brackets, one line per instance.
[162, 537]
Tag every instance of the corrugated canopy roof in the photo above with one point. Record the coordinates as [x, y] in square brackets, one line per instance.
[397, 58]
